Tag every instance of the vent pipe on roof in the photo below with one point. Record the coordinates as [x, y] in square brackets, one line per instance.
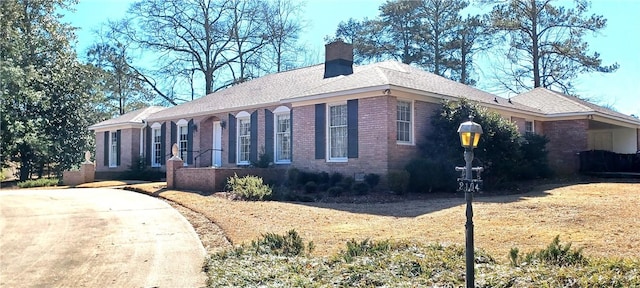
[338, 59]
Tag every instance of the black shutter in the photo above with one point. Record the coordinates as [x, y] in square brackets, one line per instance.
[149, 145]
[253, 150]
[352, 128]
[106, 149]
[320, 130]
[291, 135]
[232, 138]
[163, 144]
[189, 159]
[269, 133]
[172, 140]
[118, 141]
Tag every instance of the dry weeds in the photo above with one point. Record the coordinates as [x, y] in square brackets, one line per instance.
[600, 217]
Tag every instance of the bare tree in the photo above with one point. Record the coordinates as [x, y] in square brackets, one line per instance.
[283, 26]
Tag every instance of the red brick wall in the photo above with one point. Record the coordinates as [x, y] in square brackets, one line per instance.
[209, 180]
[372, 140]
[129, 149]
[566, 139]
[401, 154]
[519, 124]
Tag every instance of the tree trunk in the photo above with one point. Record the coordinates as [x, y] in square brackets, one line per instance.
[535, 53]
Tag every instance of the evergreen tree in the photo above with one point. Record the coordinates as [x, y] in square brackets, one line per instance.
[47, 95]
[546, 45]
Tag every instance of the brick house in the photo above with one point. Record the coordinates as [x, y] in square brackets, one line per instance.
[338, 117]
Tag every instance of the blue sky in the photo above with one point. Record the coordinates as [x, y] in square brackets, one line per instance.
[618, 42]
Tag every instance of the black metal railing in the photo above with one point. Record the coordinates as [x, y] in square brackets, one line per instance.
[607, 161]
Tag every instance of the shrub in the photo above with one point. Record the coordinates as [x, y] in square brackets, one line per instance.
[323, 177]
[534, 163]
[42, 182]
[323, 187]
[140, 171]
[365, 248]
[346, 183]
[426, 175]
[502, 156]
[557, 254]
[398, 181]
[360, 188]
[290, 244]
[292, 177]
[335, 178]
[372, 179]
[310, 187]
[305, 177]
[335, 191]
[264, 160]
[248, 188]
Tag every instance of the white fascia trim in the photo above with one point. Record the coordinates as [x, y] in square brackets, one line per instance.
[439, 97]
[109, 127]
[211, 112]
[323, 96]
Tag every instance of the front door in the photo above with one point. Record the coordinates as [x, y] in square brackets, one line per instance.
[216, 154]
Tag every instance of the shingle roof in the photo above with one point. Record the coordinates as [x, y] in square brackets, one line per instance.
[552, 102]
[309, 81]
[133, 117]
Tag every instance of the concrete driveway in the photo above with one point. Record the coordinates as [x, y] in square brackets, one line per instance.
[95, 238]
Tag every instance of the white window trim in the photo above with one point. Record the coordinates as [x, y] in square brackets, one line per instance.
[113, 155]
[281, 111]
[155, 127]
[240, 117]
[412, 109]
[533, 126]
[328, 132]
[182, 123]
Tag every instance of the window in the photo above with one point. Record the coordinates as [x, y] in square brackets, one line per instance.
[283, 137]
[113, 149]
[244, 139]
[528, 126]
[156, 148]
[338, 132]
[403, 121]
[182, 140]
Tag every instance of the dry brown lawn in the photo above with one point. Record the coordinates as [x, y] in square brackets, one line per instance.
[602, 218]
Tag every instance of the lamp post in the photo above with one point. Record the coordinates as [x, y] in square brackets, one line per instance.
[469, 136]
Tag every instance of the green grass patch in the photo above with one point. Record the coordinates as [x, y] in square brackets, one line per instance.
[369, 263]
[42, 182]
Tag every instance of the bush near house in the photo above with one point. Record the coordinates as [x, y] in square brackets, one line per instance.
[505, 154]
[42, 182]
[248, 188]
[140, 171]
[322, 183]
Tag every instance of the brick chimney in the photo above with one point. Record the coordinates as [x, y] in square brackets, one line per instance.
[338, 59]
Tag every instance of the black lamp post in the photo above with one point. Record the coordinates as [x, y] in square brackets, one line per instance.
[469, 136]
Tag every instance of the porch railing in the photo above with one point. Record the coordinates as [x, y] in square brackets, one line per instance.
[607, 161]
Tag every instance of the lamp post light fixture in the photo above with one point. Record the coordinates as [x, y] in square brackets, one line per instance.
[469, 137]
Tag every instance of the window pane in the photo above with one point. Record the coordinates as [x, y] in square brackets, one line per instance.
[244, 139]
[157, 145]
[403, 121]
[113, 149]
[283, 144]
[182, 142]
[338, 131]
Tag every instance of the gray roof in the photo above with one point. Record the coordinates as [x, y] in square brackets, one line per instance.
[308, 82]
[133, 117]
[552, 102]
